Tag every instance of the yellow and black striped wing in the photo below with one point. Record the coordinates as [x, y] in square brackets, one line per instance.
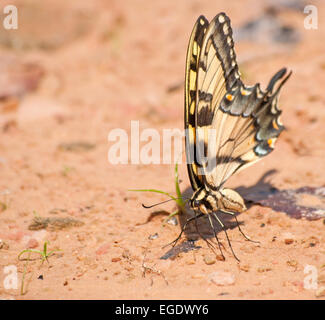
[193, 53]
[230, 125]
[246, 125]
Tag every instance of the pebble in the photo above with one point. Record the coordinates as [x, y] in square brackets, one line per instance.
[220, 257]
[116, 259]
[209, 259]
[292, 263]
[288, 238]
[153, 236]
[3, 245]
[190, 260]
[222, 278]
[172, 221]
[244, 267]
[263, 269]
[311, 242]
[320, 292]
[32, 244]
[248, 248]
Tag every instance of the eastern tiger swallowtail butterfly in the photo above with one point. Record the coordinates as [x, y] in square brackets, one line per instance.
[244, 120]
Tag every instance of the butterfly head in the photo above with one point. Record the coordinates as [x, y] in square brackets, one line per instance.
[207, 201]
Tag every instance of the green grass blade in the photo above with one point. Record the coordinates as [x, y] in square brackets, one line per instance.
[155, 190]
[179, 200]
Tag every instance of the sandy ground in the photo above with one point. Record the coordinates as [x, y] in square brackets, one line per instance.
[73, 72]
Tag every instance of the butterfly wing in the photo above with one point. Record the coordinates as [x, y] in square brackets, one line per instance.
[193, 53]
[247, 125]
[236, 125]
[217, 73]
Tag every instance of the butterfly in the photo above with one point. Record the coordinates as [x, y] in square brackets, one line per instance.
[229, 125]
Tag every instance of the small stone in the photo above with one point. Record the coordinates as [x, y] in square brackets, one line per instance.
[312, 241]
[209, 259]
[81, 237]
[222, 278]
[244, 267]
[81, 258]
[126, 254]
[320, 292]
[153, 236]
[220, 257]
[116, 259]
[65, 283]
[172, 221]
[263, 269]
[292, 263]
[3, 245]
[248, 248]
[288, 238]
[32, 243]
[190, 260]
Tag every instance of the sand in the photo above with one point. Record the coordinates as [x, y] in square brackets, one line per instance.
[72, 73]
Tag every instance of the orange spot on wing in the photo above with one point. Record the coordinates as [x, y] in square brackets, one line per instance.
[229, 97]
[275, 125]
[271, 142]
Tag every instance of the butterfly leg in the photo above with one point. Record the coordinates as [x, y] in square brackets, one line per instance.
[210, 245]
[173, 243]
[215, 235]
[225, 231]
[238, 225]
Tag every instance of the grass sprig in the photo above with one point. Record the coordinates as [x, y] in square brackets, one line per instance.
[178, 199]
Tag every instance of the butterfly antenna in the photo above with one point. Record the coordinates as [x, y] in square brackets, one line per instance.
[157, 204]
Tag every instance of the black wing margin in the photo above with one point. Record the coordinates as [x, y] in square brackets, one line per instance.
[193, 53]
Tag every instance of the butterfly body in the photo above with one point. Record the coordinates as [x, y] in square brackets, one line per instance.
[208, 201]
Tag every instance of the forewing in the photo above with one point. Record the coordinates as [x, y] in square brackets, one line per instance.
[193, 53]
[217, 74]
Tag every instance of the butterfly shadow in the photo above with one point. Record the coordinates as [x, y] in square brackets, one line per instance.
[201, 228]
